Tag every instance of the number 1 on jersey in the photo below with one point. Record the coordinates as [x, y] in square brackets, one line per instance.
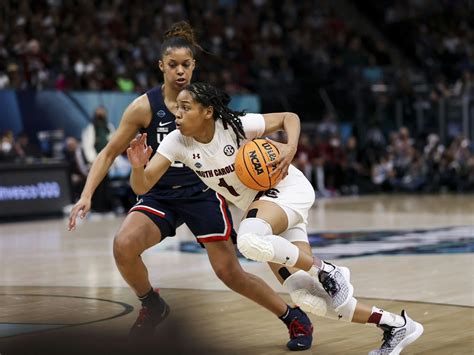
[223, 183]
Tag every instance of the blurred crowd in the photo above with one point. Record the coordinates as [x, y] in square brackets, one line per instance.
[300, 56]
[283, 50]
[438, 36]
[113, 193]
[398, 163]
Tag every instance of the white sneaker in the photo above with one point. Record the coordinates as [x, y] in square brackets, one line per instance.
[337, 285]
[396, 338]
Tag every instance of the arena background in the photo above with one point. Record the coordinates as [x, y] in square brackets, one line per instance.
[385, 93]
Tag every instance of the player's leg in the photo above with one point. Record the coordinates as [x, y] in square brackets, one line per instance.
[227, 268]
[399, 330]
[136, 234]
[259, 239]
[210, 220]
[143, 227]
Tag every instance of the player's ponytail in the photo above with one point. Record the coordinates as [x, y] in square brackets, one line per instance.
[208, 95]
[179, 35]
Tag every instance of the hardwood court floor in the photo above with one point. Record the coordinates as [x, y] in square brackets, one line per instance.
[211, 321]
[62, 289]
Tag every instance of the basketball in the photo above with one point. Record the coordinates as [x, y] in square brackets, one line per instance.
[250, 164]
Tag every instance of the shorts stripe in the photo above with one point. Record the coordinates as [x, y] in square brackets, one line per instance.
[148, 209]
[228, 227]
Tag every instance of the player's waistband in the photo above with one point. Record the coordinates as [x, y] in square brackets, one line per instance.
[176, 191]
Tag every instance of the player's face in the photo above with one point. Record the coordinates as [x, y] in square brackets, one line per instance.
[177, 67]
[191, 116]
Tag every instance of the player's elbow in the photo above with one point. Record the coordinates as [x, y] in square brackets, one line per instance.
[292, 116]
[139, 189]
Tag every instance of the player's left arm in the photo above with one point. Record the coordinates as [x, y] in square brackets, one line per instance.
[142, 179]
[290, 123]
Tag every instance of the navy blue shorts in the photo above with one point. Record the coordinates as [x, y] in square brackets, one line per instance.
[206, 214]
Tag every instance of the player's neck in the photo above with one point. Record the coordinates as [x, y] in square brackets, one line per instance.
[169, 94]
[206, 134]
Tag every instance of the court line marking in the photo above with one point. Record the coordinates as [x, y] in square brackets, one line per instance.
[127, 309]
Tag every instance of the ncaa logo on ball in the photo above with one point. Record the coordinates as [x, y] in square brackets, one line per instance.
[255, 162]
[229, 150]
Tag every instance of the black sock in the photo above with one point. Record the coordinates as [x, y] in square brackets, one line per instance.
[151, 299]
[287, 316]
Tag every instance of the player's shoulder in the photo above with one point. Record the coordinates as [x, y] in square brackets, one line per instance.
[139, 110]
[176, 138]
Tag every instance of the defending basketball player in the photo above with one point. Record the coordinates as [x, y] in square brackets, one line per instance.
[179, 197]
[274, 230]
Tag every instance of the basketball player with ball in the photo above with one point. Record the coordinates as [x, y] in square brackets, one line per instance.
[207, 140]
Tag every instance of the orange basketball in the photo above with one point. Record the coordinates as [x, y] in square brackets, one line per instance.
[250, 164]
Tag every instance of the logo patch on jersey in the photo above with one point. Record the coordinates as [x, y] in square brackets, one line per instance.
[162, 124]
[196, 156]
[272, 193]
[161, 113]
[229, 150]
[198, 165]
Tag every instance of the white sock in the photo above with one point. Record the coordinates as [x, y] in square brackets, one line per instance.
[388, 318]
[314, 271]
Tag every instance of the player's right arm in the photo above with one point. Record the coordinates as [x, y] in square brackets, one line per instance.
[139, 153]
[136, 116]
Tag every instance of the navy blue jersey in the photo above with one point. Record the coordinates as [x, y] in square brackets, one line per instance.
[179, 181]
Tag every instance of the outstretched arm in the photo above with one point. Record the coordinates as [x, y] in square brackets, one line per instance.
[290, 123]
[135, 116]
[142, 179]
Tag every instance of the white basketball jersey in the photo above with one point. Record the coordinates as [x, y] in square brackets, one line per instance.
[214, 162]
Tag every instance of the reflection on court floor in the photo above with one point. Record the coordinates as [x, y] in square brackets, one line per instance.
[336, 245]
[412, 252]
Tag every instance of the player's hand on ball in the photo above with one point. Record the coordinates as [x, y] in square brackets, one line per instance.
[139, 153]
[282, 163]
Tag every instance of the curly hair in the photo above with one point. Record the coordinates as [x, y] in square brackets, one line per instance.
[179, 35]
[208, 95]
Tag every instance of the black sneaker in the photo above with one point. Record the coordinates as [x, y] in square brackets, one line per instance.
[148, 319]
[301, 331]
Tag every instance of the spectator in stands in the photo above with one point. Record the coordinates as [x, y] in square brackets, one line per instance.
[96, 135]
[353, 169]
[464, 85]
[432, 154]
[304, 155]
[94, 138]
[35, 65]
[14, 78]
[334, 162]
[25, 149]
[7, 145]
[403, 152]
[78, 167]
[383, 173]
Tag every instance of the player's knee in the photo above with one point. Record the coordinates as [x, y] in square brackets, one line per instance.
[126, 246]
[255, 247]
[232, 276]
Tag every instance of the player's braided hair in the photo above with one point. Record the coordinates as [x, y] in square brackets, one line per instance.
[179, 35]
[208, 95]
